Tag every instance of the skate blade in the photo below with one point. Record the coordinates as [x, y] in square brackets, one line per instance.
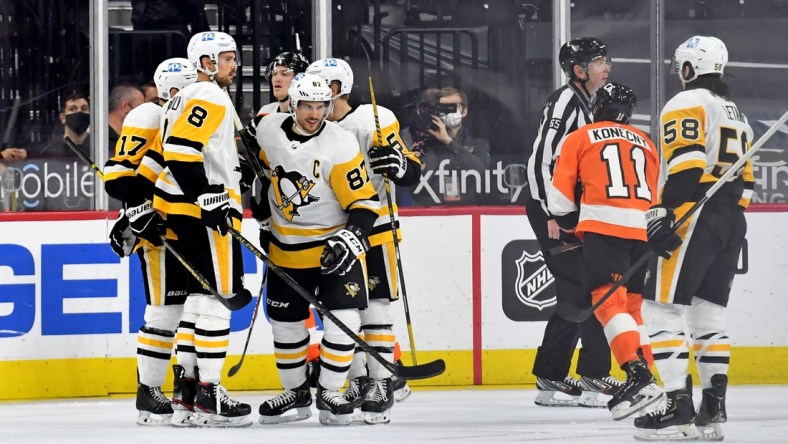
[402, 394]
[686, 432]
[374, 418]
[626, 412]
[301, 414]
[551, 398]
[149, 419]
[711, 432]
[218, 421]
[181, 418]
[593, 400]
[328, 418]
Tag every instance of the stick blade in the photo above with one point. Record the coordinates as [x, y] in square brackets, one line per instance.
[422, 371]
[234, 369]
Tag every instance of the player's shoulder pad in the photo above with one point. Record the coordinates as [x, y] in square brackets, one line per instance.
[344, 145]
[273, 120]
[208, 91]
[689, 99]
[146, 115]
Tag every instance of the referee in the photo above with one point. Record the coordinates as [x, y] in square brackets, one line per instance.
[585, 62]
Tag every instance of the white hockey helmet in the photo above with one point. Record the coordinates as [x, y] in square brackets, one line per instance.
[334, 70]
[209, 44]
[308, 88]
[177, 73]
[706, 55]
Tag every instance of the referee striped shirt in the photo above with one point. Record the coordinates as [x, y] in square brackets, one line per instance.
[565, 111]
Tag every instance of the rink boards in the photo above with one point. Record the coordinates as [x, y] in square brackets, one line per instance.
[477, 291]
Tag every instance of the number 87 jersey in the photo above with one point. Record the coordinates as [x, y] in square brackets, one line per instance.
[618, 168]
[316, 181]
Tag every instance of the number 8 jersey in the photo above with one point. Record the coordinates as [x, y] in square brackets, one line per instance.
[618, 167]
[315, 181]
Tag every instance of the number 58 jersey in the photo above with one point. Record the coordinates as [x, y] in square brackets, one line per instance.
[315, 181]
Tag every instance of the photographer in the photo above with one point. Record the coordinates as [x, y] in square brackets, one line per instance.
[452, 160]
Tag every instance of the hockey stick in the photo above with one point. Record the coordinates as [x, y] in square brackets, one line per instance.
[234, 369]
[422, 371]
[564, 248]
[186, 264]
[582, 315]
[392, 220]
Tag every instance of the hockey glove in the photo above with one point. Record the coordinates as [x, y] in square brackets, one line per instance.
[247, 175]
[146, 223]
[342, 250]
[265, 234]
[121, 239]
[215, 208]
[387, 160]
[249, 137]
[662, 238]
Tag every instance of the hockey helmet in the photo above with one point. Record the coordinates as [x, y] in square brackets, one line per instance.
[292, 60]
[613, 102]
[308, 88]
[706, 55]
[173, 73]
[580, 51]
[209, 44]
[334, 70]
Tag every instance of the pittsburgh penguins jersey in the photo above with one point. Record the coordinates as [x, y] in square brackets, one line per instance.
[702, 130]
[140, 134]
[565, 111]
[315, 181]
[361, 122]
[618, 167]
[198, 139]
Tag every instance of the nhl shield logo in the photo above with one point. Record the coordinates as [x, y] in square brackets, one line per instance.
[533, 278]
[527, 286]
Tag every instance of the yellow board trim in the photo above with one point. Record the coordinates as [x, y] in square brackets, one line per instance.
[81, 377]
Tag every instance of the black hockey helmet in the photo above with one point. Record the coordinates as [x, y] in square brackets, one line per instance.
[580, 51]
[613, 102]
[293, 60]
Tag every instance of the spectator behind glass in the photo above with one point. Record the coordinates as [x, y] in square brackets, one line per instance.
[452, 160]
[122, 99]
[75, 117]
[150, 91]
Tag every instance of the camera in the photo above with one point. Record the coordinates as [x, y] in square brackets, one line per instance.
[425, 109]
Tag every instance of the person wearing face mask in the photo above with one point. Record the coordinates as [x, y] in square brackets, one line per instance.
[75, 117]
[122, 99]
[450, 150]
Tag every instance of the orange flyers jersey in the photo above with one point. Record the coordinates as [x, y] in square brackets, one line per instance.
[315, 181]
[702, 130]
[361, 122]
[618, 167]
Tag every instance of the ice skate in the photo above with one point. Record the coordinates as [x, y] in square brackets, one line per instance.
[185, 389]
[551, 393]
[213, 407]
[675, 421]
[638, 392]
[378, 402]
[597, 391]
[277, 409]
[711, 413]
[154, 408]
[401, 388]
[357, 390]
[334, 409]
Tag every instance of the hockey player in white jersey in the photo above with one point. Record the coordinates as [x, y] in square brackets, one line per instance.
[199, 192]
[393, 160]
[687, 288]
[323, 208]
[280, 73]
[130, 176]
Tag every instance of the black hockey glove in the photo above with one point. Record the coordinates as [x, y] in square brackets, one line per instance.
[265, 234]
[215, 208]
[146, 223]
[342, 250]
[662, 238]
[249, 137]
[247, 175]
[387, 160]
[121, 239]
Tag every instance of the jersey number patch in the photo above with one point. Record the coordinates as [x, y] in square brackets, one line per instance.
[615, 171]
[138, 142]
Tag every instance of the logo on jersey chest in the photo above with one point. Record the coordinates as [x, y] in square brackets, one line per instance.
[292, 191]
